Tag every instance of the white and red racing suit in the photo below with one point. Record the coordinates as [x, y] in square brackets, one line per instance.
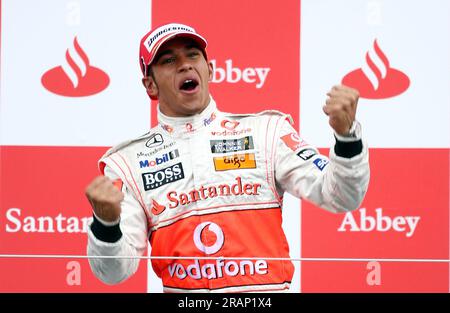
[211, 185]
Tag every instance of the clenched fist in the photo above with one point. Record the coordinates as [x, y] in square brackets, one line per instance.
[105, 198]
[341, 108]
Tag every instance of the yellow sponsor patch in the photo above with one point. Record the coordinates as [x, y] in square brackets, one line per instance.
[235, 162]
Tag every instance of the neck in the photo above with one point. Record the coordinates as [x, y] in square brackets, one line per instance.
[184, 110]
[188, 124]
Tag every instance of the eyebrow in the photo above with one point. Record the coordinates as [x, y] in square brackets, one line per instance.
[163, 53]
[170, 51]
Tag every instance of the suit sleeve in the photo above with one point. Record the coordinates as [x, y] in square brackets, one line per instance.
[337, 184]
[126, 237]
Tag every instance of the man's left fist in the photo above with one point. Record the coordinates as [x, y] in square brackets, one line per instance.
[341, 108]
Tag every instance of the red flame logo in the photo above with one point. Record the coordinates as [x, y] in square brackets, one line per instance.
[376, 79]
[77, 78]
[157, 208]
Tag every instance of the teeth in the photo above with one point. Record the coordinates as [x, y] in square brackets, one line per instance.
[188, 84]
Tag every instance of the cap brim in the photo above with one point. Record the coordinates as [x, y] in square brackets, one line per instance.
[197, 38]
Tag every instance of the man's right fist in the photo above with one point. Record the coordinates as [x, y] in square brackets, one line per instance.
[105, 198]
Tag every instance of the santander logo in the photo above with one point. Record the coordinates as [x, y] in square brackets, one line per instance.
[377, 79]
[157, 208]
[76, 78]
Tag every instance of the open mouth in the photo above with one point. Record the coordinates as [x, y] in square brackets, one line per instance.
[189, 84]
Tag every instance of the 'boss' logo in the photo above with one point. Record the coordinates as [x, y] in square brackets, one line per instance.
[159, 178]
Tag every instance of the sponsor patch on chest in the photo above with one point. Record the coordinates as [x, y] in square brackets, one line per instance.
[232, 145]
[235, 162]
[153, 180]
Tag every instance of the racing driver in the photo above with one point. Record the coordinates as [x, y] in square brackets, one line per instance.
[204, 183]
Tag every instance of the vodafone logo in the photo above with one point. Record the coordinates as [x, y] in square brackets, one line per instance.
[212, 227]
[293, 141]
[230, 125]
[377, 79]
[220, 268]
[76, 78]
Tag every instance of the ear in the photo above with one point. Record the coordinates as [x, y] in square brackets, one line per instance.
[151, 87]
[211, 70]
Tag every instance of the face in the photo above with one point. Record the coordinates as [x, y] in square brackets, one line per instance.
[180, 78]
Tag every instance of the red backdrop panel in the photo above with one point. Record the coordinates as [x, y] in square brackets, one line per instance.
[43, 205]
[405, 214]
[359, 277]
[246, 34]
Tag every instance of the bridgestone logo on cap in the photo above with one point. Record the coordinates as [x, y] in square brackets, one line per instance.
[172, 28]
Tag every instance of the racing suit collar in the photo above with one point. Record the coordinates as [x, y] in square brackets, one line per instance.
[190, 124]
